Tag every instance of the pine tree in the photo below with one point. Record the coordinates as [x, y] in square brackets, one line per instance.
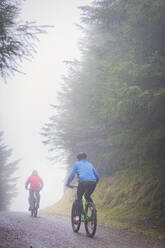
[7, 178]
[17, 39]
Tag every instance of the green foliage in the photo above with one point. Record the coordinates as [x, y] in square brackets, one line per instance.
[17, 39]
[132, 199]
[7, 181]
[112, 106]
[112, 102]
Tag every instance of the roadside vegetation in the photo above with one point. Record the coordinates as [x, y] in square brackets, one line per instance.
[129, 200]
[111, 105]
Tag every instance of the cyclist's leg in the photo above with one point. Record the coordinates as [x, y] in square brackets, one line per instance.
[80, 192]
[37, 192]
[31, 199]
[89, 188]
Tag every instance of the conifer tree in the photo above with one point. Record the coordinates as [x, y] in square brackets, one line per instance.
[112, 102]
[17, 39]
[7, 178]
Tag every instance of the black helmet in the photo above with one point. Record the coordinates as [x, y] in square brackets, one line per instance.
[81, 155]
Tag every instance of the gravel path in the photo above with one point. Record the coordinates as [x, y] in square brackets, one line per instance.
[19, 230]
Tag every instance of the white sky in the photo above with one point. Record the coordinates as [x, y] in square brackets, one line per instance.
[25, 99]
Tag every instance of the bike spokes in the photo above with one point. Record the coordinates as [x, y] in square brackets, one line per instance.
[34, 210]
[75, 218]
[91, 219]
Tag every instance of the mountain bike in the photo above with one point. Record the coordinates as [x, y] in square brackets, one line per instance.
[88, 215]
[34, 210]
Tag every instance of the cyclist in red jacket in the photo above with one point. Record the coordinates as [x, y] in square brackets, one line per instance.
[35, 184]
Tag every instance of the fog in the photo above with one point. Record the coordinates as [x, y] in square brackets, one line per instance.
[25, 99]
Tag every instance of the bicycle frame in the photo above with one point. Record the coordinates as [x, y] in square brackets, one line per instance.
[83, 202]
[34, 203]
[88, 216]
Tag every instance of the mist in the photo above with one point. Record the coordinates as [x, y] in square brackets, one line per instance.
[26, 98]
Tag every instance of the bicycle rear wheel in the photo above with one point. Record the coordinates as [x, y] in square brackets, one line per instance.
[34, 211]
[74, 213]
[91, 219]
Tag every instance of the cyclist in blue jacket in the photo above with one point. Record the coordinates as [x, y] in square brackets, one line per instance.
[87, 178]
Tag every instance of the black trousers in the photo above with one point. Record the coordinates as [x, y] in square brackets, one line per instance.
[85, 188]
[32, 194]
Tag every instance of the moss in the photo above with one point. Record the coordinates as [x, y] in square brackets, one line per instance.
[125, 200]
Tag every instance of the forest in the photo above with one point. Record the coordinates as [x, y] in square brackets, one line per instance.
[112, 102]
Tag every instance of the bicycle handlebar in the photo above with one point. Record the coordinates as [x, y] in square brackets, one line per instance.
[72, 186]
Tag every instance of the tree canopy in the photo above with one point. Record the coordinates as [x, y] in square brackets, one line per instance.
[7, 180]
[111, 104]
[17, 39]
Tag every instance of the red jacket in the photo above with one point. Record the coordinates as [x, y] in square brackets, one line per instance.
[35, 182]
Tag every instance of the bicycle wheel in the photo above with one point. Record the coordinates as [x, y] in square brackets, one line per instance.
[90, 219]
[74, 213]
[35, 211]
[32, 212]
[36, 208]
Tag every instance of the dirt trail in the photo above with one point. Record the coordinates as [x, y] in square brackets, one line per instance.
[19, 230]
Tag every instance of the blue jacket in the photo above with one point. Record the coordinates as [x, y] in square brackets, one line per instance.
[84, 171]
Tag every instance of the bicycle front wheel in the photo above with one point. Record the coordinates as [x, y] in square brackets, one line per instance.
[74, 213]
[91, 219]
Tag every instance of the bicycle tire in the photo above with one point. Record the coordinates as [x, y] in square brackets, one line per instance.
[74, 212]
[90, 219]
[35, 211]
[32, 213]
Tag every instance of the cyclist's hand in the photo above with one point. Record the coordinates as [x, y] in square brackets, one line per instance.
[69, 186]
